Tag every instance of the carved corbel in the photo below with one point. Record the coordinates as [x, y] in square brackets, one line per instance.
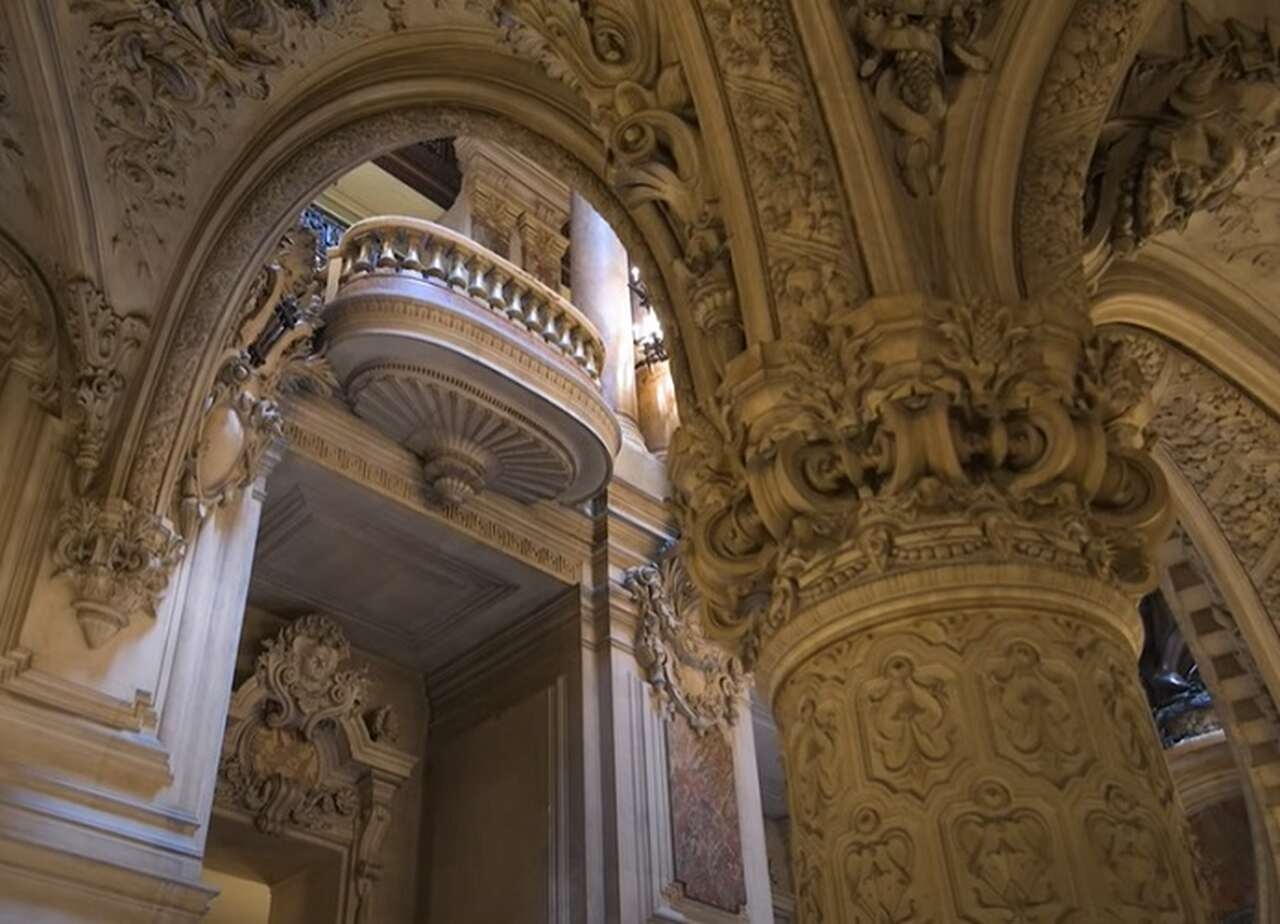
[119, 560]
[691, 677]
[908, 52]
[1186, 131]
[104, 344]
[273, 352]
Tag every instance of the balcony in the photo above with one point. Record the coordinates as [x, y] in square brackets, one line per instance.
[487, 375]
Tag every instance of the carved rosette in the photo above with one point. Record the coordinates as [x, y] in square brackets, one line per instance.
[302, 751]
[274, 351]
[118, 559]
[690, 676]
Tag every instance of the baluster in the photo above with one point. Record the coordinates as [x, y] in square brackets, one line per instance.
[478, 287]
[437, 257]
[458, 275]
[498, 291]
[387, 253]
[568, 328]
[535, 308]
[592, 364]
[412, 261]
[550, 327]
[364, 257]
[515, 309]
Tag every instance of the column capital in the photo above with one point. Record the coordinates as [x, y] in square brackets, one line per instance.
[907, 432]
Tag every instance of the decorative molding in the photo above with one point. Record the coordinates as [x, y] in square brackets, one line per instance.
[104, 344]
[119, 560]
[272, 353]
[305, 749]
[11, 150]
[911, 54]
[1186, 131]
[691, 678]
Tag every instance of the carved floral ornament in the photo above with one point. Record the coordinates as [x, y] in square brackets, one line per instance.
[691, 677]
[926, 432]
[304, 749]
[1185, 132]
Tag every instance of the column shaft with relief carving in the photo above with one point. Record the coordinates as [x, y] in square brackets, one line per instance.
[925, 525]
[972, 744]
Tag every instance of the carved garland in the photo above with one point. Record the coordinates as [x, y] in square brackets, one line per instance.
[690, 676]
[302, 749]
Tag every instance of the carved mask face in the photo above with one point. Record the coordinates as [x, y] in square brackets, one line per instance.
[316, 662]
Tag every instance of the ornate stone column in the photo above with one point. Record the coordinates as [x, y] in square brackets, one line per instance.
[599, 279]
[925, 525]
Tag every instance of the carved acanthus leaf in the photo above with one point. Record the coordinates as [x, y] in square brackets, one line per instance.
[119, 560]
[104, 344]
[842, 456]
[691, 677]
[909, 53]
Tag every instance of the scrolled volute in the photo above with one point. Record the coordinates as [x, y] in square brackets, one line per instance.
[691, 677]
[916, 433]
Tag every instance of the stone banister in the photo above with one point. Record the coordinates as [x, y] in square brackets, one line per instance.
[415, 248]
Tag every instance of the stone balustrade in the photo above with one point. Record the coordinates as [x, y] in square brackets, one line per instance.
[419, 249]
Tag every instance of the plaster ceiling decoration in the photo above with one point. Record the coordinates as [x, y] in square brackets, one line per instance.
[403, 586]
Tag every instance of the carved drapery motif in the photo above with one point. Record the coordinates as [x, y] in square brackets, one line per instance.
[1185, 132]
[302, 750]
[908, 52]
[993, 837]
[118, 559]
[272, 352]
[691, 677]
[104, 345]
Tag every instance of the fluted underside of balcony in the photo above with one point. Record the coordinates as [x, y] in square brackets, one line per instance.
[487, 375]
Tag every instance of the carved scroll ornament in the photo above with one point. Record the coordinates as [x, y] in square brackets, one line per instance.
[928, 432]
[301, 749]
[619, 56]
[273, 352]
[691, 677]
[1186, 131]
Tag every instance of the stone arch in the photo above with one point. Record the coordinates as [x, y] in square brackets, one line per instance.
[343, 123]
[1214, 440]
